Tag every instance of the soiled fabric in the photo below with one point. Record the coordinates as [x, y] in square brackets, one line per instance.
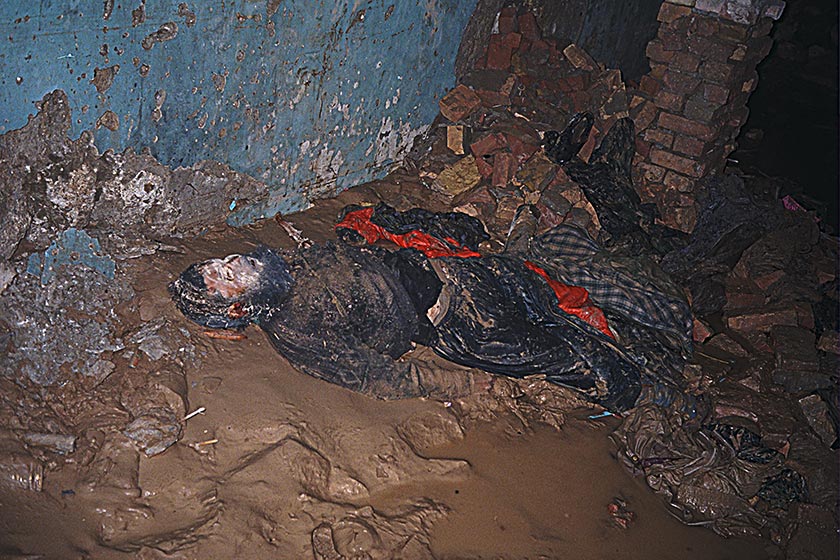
[712, 474]
[631, 288]
[502, 318]
[436, 235]
[606, 180]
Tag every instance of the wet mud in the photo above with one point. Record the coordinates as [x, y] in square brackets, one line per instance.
[281, 464]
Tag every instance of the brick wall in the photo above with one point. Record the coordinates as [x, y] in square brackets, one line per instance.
[689, 108]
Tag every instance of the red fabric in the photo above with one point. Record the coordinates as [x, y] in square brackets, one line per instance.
[574, 300]
[432, 247]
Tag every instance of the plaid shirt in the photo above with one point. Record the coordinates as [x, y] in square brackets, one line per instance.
[623, 287]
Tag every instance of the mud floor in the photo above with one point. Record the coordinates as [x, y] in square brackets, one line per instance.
[282, 465]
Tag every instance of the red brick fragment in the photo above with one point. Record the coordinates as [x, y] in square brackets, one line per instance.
[520, 150]
[498, 54]
[659, 136]
[680, 82]
[761, 321]
[490, 98]
[579, 58]
[685, 62]
[669, 101]
[644, 115]
[701, 331]
[715, 93]
[642, 147]
[669, 12]
[485, 168]
[459, 103]
[529, 27]
[656, 51]
[507, 20]
[512, 40]
[504, 166]
[676, 181]
[488, 144]
[716, 72]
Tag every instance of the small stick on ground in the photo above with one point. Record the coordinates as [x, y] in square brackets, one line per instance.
[225, 335]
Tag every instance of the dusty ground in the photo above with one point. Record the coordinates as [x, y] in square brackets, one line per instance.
[281, 465]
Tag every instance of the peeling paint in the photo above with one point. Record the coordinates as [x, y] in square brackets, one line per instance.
[309, 96]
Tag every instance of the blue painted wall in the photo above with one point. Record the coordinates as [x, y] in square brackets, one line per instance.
[309, 96]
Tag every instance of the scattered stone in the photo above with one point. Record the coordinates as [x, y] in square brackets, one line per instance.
[819, 418]
[459, 103]
[455, 139]
[829, 342]
[58, 443]
[457, 178]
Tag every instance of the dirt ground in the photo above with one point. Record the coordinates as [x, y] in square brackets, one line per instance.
[282, 465]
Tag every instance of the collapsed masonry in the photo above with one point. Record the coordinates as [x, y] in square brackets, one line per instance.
[688, 109]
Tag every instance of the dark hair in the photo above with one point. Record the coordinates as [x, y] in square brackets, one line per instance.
[189, 292]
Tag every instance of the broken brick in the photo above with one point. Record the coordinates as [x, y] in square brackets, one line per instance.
[819, 418]
[645, 114]
[488, 144]
[659, 136]
[498, 54]
[679, 182]
[457, 178]
[455, 139]
[507, 20]
[669, 12]
[656, 51]
[680, 82]
[579, 58]
[700, 331]
[504, 166]
[649, 85]
[669, 101]
[511, 40]
[715, 93]
[485, 166]
[459, 103]
[689, 146]
[529, 27]
[521, 150]
[761, 321]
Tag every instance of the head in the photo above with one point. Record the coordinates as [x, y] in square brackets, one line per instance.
[234, 291]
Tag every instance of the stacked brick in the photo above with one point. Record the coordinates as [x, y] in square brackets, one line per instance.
[689, 108]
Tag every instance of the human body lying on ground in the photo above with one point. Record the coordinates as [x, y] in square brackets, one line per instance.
[346, 314]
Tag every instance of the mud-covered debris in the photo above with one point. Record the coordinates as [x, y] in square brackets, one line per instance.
[58, 443]
[817, 414]
[710, 474]
[18, 469]
[154, 432]
[67, 323]
[458, 178]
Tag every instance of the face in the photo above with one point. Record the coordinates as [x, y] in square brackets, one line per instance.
[232, 276]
